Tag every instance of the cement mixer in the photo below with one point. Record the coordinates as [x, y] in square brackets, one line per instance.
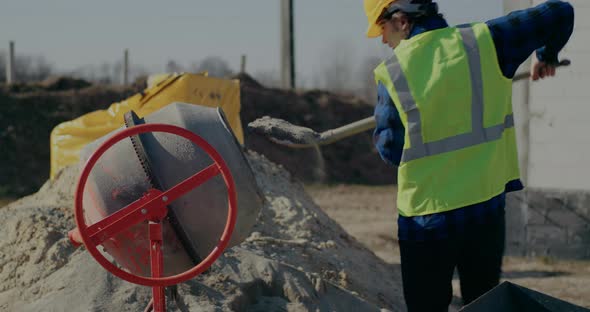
[161, 196]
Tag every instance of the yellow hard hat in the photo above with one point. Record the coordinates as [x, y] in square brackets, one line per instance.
[373, 9]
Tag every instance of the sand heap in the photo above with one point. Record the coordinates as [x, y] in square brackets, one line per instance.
[296, 259]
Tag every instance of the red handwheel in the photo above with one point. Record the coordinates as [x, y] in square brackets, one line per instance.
[152, 207]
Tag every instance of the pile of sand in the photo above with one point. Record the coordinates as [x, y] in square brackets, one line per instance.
[296, 258]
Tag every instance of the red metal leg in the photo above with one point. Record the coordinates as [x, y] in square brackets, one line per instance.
[157, 261]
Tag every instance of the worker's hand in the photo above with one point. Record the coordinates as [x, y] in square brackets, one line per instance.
[541, 69]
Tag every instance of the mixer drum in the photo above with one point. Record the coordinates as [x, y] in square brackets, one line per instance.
[160, 160]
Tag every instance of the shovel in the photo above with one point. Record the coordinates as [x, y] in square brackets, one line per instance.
[284, 133]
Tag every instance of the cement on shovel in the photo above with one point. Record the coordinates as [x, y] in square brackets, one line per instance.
[283, 132]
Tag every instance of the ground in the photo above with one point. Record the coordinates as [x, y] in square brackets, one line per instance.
[368, 213]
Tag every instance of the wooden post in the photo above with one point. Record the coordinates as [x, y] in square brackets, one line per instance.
[287, 45]
[243, 64]
[126, 67]
[10, 64]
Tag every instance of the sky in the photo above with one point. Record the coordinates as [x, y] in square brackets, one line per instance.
[74, 33]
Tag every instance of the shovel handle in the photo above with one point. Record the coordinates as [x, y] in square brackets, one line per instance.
[337, 134]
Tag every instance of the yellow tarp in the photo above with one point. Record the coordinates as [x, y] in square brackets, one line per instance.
[68, 138]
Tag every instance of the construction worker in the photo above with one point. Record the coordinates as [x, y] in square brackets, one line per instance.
[444, 117]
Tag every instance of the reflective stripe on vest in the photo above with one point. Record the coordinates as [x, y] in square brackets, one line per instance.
[478, 135]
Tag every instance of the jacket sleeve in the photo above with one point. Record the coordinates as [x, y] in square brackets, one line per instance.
[389, 133]
[545, 28]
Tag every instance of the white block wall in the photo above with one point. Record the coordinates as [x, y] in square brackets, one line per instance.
[559, 155]
[554, 140]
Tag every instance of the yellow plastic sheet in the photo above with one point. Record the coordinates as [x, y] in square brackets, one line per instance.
[68, 138]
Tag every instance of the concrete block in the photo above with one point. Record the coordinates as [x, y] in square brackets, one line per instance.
[580, 203]
[537, 217]
[580, 236]
[537, 209]
[548, 222]
[545, 235]
[567, 219]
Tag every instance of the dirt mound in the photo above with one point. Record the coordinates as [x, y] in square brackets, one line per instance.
[61, 83]
[52, 83]
[296, 259]
[27, 118]
[247, 80]
[26, 121]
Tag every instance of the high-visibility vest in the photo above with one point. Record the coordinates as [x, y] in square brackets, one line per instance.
[456, 107]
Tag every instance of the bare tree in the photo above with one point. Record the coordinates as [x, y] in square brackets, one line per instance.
[27, 68]
[136, 71]
[86, 72]
[268, 78]
[173, 67]
[215, 66]
[41, 69]
[2, 66]
[117, 72]
[105, 73]
[22, 67]
[337, 73]
[367, 86]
